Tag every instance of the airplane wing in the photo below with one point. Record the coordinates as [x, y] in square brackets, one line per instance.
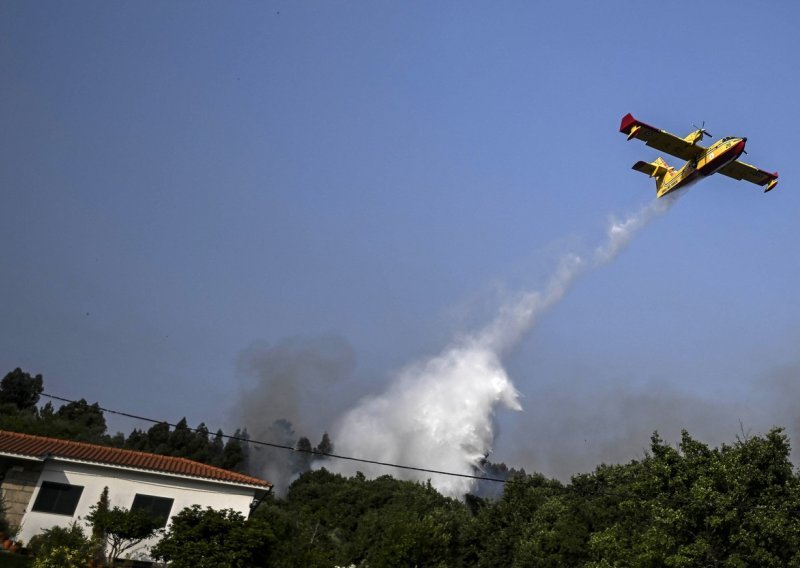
[741, 171]
[660, 139]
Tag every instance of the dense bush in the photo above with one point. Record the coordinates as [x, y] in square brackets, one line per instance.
[690, 505]
[208, 538]
[60, 547]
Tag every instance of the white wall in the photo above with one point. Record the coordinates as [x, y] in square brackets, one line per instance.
[123, 485]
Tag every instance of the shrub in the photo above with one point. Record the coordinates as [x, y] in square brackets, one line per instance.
[61, 547]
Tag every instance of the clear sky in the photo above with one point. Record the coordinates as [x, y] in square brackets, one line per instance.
[189, 190]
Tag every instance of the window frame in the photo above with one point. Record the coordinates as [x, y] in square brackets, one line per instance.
[53, 496]
[151, 506]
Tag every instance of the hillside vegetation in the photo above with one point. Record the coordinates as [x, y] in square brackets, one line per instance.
[688, 505]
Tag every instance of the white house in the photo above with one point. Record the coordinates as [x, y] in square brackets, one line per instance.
[49, 482]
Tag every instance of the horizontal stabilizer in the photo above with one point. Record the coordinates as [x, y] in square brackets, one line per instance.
[655, 169]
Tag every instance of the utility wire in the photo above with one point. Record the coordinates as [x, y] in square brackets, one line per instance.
[569, 489]
[291, 448]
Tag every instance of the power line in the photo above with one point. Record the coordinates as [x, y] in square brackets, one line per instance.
[291, 448]
[568, 489]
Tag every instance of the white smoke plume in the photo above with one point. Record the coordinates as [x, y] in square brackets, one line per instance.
[439, 414]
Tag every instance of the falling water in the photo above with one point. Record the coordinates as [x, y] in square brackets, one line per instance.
[439, 414]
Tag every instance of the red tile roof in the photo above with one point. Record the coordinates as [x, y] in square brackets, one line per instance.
[39, 446]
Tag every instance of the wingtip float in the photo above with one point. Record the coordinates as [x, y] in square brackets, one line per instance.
[721, 157]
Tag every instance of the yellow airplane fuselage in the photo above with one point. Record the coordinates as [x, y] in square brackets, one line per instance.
[712, 160]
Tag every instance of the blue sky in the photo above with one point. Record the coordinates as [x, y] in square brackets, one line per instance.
[184, 183]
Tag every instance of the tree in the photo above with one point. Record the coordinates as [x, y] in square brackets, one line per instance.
[121, 529]
[98, 530]
[180, 439]
[235, 454]
[301, 459]
[21, 389]
[404, 538]
[79, 420]
[19, 394]
[522, 526]
[327, 519]
[735, 505]
[216, 448]
[158, 439]
[199, 448]
[136, 440]
[325, 445]
[86, 420]
[208, 538]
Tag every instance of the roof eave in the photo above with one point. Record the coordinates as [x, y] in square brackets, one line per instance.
[22, 456]
[164, 473]
[49, 457]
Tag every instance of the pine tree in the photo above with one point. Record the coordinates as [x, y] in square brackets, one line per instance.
[325, 445]
[216, 448]
[302, 457]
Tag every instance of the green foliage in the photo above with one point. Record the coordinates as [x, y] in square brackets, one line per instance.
[60, 547]
[216, 448]
[685, 506]
[207, 538]
[327, 520]
[120, 528]
[678, 506]
[98, 530]
[82, 421]
[19, 393]
[235, 454]
[21, 390]
[87, 420]
[695, 506]
[184, 442]
[62, 557]
[47, 423]
[537, 522]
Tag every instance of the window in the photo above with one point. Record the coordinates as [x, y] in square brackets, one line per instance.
[57, 498]
[157, 507]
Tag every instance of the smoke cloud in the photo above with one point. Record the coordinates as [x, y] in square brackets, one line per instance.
[291, 389]
[583, 422]
[440, 414]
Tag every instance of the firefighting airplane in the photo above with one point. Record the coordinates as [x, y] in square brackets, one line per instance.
[722, 156]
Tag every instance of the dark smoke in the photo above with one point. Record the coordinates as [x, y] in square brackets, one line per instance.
[290, 390]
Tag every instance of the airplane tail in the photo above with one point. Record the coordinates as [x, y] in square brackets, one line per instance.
[656, 169]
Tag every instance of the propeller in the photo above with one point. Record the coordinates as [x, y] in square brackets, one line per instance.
[703, 131]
